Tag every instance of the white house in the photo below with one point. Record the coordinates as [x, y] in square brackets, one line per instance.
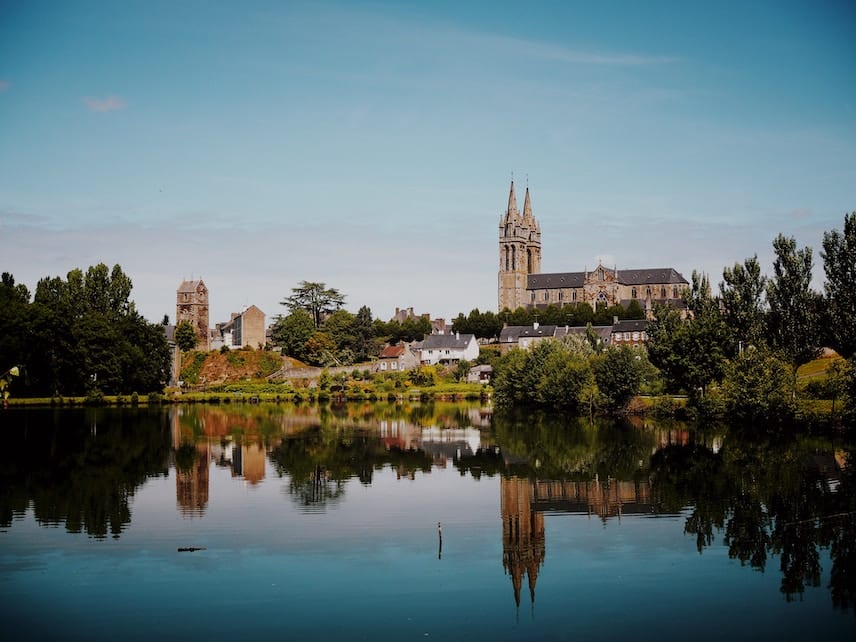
[448, 348]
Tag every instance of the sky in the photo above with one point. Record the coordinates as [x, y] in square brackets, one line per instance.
[370, 145]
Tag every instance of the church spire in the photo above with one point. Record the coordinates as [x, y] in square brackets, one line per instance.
[527, 207]
[512, 203]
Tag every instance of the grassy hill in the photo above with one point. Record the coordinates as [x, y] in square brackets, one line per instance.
[230, 366]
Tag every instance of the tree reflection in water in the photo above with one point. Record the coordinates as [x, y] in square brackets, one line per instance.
[766, 496]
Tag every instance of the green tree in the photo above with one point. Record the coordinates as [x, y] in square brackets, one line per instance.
[316, 298]
[618, 374]
[757, 386]
[793, 320]
[839, 265]
[742, 296]
[185, 336]
[292, 332]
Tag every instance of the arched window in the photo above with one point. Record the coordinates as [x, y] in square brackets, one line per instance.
[663, 292]
[513, 257]
[674, 291]
[528, 261]
[633, 293]
[574, 296]
[647, 290]
[601, 299]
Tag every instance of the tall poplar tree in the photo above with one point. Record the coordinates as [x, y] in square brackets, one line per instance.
[839, 264]
[793, 320]
[742, 296]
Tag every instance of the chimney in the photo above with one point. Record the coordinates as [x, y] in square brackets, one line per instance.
[457, 336]
[535, 326]
[614, 320]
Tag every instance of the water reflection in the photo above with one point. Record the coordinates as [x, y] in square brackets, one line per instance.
[771, 499]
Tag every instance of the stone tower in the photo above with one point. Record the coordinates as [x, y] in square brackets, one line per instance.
[191, 304]
[519, 251]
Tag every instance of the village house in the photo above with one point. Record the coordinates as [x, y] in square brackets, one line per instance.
[397, 358]
[448, 348]
[241, 330]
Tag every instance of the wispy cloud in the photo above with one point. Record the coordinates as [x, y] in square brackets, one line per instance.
[111, 103]
[4, 85]
[560, 53]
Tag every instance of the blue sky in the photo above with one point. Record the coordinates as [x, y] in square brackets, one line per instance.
[370, 145]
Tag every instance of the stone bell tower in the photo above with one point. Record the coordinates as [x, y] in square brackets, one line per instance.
[519, 251]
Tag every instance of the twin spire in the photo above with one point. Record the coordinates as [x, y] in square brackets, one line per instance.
[512, 211]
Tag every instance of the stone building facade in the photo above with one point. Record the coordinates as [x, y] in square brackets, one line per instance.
[244, 329]
[521, 283]
[192, 305]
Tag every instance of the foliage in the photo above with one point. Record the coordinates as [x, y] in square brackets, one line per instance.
[192, 367]
[618, 374]
[78, 334]
[793, 320]
[839, 265]
[292, 332]
[758, 387]
[742, 293]
[185, 336]
[690, 353]
[411, 329]
[316, 299]
[554, 373]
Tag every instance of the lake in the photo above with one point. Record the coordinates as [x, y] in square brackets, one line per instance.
[418, 521]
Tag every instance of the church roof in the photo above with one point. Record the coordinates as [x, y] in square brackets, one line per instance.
[647, 276]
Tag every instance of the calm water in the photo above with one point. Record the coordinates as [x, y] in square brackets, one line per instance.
[323, 525]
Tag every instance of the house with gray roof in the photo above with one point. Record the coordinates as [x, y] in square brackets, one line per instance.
[448, 348]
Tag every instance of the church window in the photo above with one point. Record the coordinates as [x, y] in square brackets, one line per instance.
[663, 292]
[601, 299]
[529, 261]
[574, 296]
[674, 291]
[533, 297]
[647, 290]
[633, 293]
[513, 257]
[560, 295]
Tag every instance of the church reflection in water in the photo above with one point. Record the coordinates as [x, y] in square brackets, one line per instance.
[523, 503]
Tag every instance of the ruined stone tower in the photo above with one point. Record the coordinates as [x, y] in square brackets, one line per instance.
[192, 305]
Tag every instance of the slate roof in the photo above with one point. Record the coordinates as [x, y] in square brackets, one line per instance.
[603, 331]
[646, 276]
[512, 333]
[631, 325]
[447, 341]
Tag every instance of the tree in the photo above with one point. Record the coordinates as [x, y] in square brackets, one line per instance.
[316, 298]
[618, 374]
[839, 264]
[758, 386]
[185, 336]
[793, 321]
[689, 352]
[742, 293]
[292, 332]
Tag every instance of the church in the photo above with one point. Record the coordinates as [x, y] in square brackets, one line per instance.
[521, 283]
